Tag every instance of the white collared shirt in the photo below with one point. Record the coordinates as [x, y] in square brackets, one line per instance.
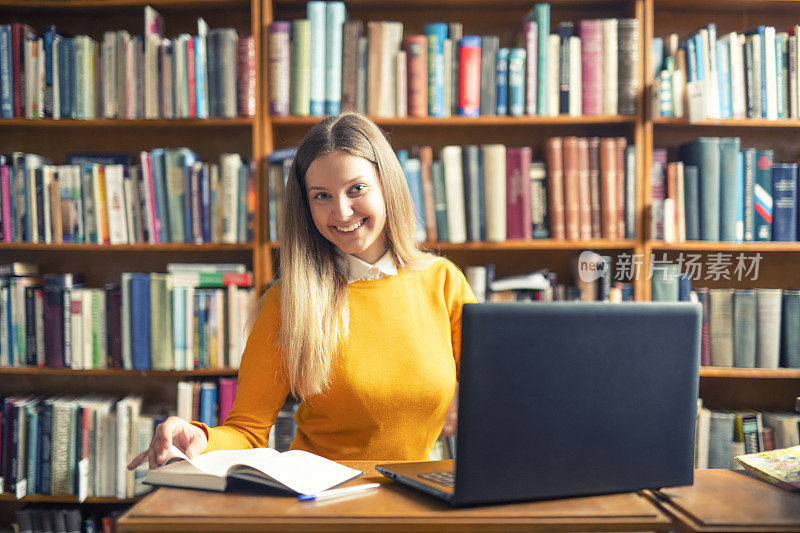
[359, 270]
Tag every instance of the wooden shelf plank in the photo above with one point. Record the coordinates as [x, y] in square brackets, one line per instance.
[536, 244]
[713, 246]
[177, 374]
[457, 3]
[466, 121]
[47, 498]
[727, 5]
[126, 123]
[729, 122]
[749, 373]
[142, 247]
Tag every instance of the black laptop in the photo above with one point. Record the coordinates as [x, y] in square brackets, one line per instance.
[569, 399]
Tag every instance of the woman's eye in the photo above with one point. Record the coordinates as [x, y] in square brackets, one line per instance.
[359, 188]
[321, 196]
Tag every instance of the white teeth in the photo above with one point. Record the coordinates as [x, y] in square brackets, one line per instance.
[350, 228]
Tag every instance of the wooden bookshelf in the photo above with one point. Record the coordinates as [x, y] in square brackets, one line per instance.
[240, 122]
[82, 5]
[476, 121]
[116, 372]
[140, 247]
[727, 123]
[756, 246]
[45, 498]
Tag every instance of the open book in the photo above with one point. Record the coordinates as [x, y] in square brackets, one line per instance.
[779, 467]
[295, 471]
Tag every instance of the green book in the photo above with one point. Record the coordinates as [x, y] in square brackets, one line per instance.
[301, 68]
[439, 201]
[160, 323]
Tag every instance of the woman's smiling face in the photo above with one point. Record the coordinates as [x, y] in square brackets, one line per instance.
[347, 204]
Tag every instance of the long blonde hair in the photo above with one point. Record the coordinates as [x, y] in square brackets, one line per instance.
[313, 290]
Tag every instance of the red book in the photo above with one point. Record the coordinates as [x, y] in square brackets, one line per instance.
[518, 193]
[227, 393]
[584, 191]
[190, 77]
[416, 47]
[426, 162]
[555, 186]
[592, 66]
[622, 143]
[19, 34]
[469, 77]
[246, 76]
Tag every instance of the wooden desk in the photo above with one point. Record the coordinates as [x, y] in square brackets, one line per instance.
[388, 509]
[725, 500]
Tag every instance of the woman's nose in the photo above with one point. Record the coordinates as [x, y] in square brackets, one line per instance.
[343, 208]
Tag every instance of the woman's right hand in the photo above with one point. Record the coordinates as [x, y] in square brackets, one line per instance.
[176, 431]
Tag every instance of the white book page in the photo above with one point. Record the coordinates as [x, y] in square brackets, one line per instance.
[218, 463]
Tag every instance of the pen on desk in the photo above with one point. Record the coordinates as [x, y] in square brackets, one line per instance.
[335, 493]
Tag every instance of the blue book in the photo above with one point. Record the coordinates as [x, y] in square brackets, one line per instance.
[6, 73]
[779, 81]
[784, 199]
[66, 77]
[699, 56]
[49, 40]
[200, 69]
[762, 193]
[208, 401]
[724, 77]
[502, 81]
[691, 59]
[316, 14]
[657, 54]
[160, 193]
[44, 451]
[728, 187]
[516, 82]
[187, 158]
[436, 32]
[335, 17]
[179, 326]
[740, 196]
[703, 153]
[684, 287]
[32, 423]
[542, 18]
[205, 202]
[140, 313]
[691, 200]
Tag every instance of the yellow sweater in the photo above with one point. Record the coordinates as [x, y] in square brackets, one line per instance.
[390, 385]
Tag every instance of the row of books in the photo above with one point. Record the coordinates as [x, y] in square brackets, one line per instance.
[208, 402]
[719, 191]
[39, 519]
[170, 196]
[191, 317]
[53, 75]
[70, 445]
[723, 435]
[751, 74]
[324, 63]
[543, 285]
[586, 190]
[743, 328]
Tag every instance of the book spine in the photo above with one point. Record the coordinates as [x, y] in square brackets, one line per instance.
[628, 29]
[784, 195]
[530, 32]
[279, 67]
[555, 187]
[416, 49]
[744, 328]
[316, 13]
[592, 61]
[610, 66]
[301, 68]
[790, 327]
[608, 189]
[351, 32]
[436, 33]
[571, 188]
[469, 83]
[501, 106]
[768, 316]
[334, 19]
[564, 31]
[729, 194]
[542, 18]
[762, 194]
[516, 82]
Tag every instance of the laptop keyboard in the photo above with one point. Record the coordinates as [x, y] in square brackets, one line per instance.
[446, 478]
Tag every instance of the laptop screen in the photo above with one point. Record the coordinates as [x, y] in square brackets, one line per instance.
[564, 399]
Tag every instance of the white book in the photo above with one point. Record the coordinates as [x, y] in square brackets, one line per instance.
[402, 81]
[76, 325]
[48, 176]
[575, 77]
[795, 72]
[86, 326]
[219, 308]
[738, 95]
[702, 437]
[669, 220]
[181, 83]
[793, 76]
[553, 65]
[295, 471]
[184, 400]
[769, 69]
[153, 32]
[130, 198]
[125, 319]
[115, 205]
[178, 302]
[713, 70]
[234, 327]
[99, 321]
[131, 58]
[142, 434]
[610, 67]
[768, 318]
[229, 167]
[109, 66]
[494, 191]
[680, 203]
[454, 192]
[709, 89]
[56, 79]
[201, 68]
[128, 409]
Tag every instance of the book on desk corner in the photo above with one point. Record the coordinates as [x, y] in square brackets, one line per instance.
[779, 467]
[295, 471]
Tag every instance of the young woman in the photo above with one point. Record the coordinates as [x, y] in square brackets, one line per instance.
[363, 327]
